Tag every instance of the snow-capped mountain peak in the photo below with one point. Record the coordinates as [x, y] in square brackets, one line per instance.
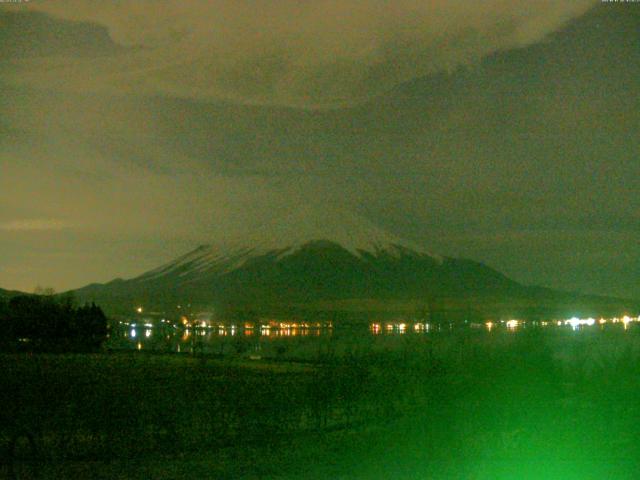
[279, 239]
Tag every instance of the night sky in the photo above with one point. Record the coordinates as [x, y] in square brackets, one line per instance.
[506, 131]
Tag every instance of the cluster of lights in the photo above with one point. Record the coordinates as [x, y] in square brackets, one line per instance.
[398, 327]
[279, 328]
[573, 322]
[513, 324]
[578, 322]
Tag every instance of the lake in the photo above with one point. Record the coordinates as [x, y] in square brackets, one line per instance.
[299, 340]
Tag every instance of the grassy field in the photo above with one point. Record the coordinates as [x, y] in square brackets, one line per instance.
[527, 405]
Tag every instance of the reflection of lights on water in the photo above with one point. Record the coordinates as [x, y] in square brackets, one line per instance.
[139, 346]
[139, 309]
[574, 322]
[389, 328]
[578, 322]
[290, 329]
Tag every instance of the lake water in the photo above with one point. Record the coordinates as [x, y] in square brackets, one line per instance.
[306, 341]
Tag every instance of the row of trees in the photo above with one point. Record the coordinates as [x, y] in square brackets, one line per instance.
[51, 322]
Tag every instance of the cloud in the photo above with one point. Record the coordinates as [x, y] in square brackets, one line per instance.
[320, 53]
[33, 225]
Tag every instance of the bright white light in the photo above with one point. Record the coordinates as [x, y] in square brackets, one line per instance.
[513, 324]
[574, 322]
[139, 309]
[147, 333]
[132, 333]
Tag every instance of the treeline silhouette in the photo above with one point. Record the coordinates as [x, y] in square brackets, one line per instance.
[50, 323]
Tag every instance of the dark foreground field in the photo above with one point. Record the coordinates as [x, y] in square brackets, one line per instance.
[528, 405]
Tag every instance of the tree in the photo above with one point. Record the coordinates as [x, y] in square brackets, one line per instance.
[48, 321]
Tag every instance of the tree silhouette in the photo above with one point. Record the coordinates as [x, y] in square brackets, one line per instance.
[50, 322]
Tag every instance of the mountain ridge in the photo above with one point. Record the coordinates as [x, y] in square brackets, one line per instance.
[322, 274]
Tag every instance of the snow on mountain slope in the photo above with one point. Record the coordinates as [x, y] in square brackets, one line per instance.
[285, 237]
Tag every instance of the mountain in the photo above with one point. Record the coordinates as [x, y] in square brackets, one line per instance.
[6, 294]
[351, 266]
